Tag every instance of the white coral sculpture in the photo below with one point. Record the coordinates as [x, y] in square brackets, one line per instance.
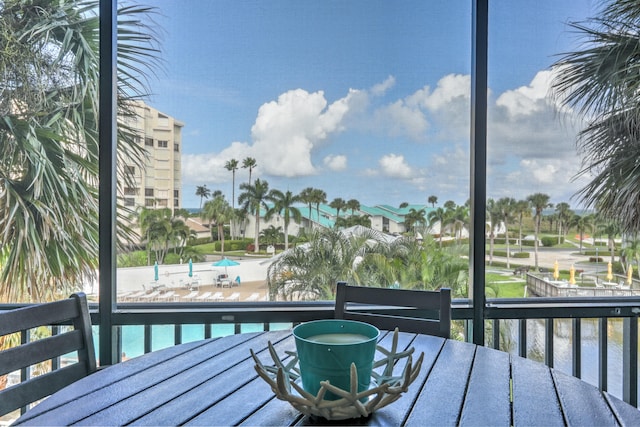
[282, 377]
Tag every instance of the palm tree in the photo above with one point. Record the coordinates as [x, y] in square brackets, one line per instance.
[319, 196]
[232, 166]
[599, 81]
[311, 271]
[252, 200]
[272, 235]
[506, 207]
[249, 163]
[203, 192]
[413, 218]
[438, 215]
[157, 228]
[433, 200]
[611, 229]
[459, 218]
[338, 204]
[49, 115]
[631, 252]
[493, 221]
[306, 197]
[449, 205]
[283, 203]
[218, 212]
[522, 208]
[582, 223]
[539, 202]
[563, 214]
[352, 204]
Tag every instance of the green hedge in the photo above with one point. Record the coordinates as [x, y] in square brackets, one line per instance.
[232, 245]
[549, 241]
[513, 254]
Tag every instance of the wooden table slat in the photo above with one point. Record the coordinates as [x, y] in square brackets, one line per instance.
[433, 407]
[88, 407]
[200, 389]
[583, 404]
[534, 395]
[395, 413]
[487, 401]
[626, 414]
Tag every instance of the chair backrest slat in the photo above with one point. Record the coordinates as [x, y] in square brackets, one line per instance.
[73, 311]
[36, 315]
[413, 303]
[39, 351]
[39, 387]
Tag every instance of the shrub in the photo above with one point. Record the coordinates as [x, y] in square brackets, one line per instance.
[513, 254]
[521, 255]
[548, 241]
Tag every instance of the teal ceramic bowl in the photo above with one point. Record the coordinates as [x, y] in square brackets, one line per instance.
[327, 348]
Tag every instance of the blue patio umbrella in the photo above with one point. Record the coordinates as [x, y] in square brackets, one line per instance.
[190, 268]
[155, 272]
[225, 262]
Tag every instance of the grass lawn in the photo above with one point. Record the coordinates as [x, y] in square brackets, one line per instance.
[500, 286]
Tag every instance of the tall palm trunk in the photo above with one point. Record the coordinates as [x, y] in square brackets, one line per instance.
[256, 243]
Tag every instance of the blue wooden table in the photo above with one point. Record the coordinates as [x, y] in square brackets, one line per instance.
[213, 382]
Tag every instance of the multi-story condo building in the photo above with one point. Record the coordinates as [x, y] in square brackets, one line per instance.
[157, 183]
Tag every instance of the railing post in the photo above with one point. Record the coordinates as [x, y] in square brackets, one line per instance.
[522, 337]
[107, 175]
[496, 334]
[548, 342]
[602, 353]
[577, 347]
[478, 152]
[630, 360]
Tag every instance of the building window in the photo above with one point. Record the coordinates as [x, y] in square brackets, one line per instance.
[163, 203]
[130, 170]
[129, 201]
[163, 144]
[129, 191]
[176, 147]
[176, 204]
[148, 192]
[148, 142]
[163, 120]
[176, 193]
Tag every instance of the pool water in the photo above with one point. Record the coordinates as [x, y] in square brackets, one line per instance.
[162, 336]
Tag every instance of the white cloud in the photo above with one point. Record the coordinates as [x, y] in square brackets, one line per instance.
[450, 88]
[395, 166]
[382, 88]
[400, 120]
[209, 167]
[530, 99]
[335, 162]
[286, 131]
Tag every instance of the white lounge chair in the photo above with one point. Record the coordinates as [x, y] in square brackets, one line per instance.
[190, 296]
[233, 297]
[132, 296]
[166, 296]
[204, 297]
[217, 296]
[149, 297]
[253, 297]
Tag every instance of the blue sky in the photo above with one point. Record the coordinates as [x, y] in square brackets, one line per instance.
[365, 99]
